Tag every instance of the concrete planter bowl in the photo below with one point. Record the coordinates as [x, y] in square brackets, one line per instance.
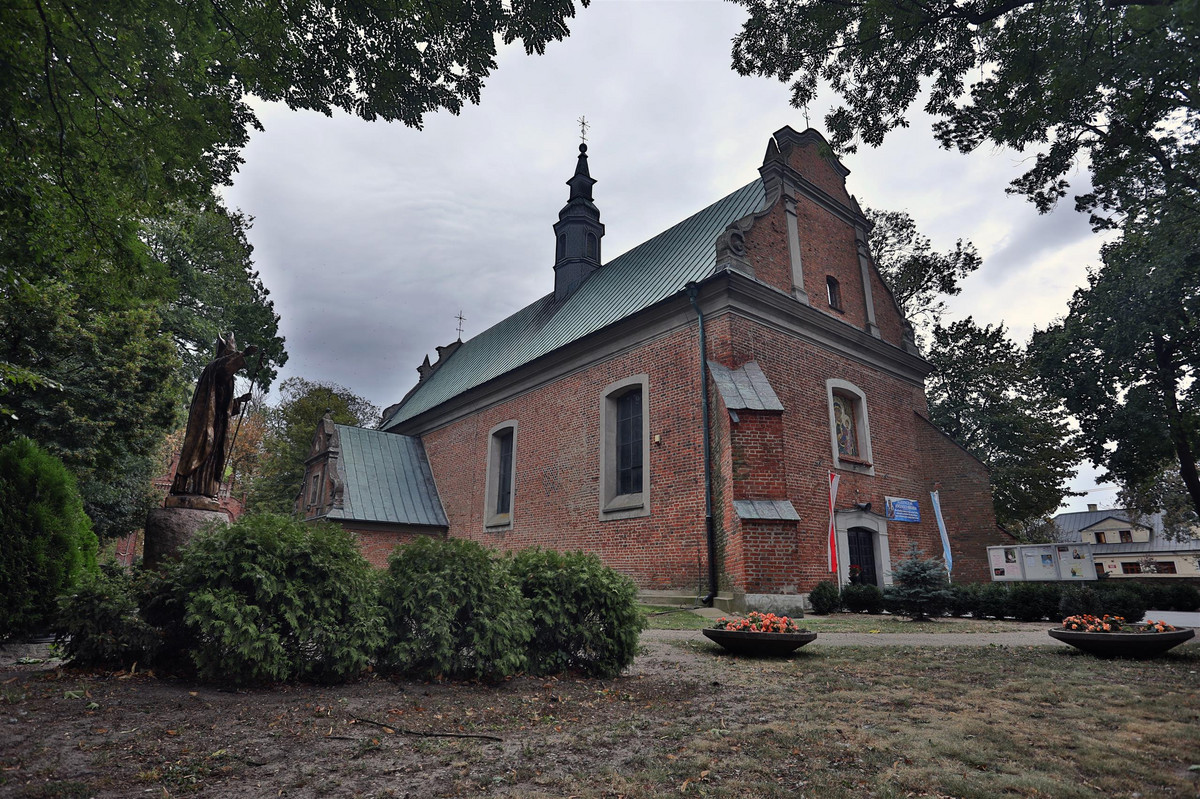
[741, 642]
[1123, 645]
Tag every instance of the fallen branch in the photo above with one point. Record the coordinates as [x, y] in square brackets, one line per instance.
[401, 731]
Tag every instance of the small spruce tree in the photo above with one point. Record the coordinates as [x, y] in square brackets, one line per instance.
[921, 587]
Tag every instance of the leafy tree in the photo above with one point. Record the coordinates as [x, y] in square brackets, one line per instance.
[1111, 83]
[290, 426]
[983, 392]
[1163, 491]
[918, 277]
[46, 540]
[1126, 358]
[208, 257]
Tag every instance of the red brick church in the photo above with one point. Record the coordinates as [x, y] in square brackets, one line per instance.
[589, 420]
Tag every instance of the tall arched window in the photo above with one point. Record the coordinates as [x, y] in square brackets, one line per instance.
[834, 289]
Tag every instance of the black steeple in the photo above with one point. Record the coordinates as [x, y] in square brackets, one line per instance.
[577, 233]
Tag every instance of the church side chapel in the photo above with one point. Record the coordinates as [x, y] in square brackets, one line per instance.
[796, 449]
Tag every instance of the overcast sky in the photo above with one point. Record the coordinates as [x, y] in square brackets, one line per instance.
[372, 236]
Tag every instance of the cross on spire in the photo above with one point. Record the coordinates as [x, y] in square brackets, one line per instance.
[583, 129]
[460, 319]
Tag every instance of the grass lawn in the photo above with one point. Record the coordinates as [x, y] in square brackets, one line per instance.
[689, 720]
[664, 618]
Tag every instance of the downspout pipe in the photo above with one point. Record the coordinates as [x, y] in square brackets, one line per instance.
[693, 290]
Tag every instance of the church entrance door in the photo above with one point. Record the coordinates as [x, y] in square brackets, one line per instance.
[862, 554]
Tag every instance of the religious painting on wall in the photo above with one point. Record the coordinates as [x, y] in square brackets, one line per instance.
[843, 416]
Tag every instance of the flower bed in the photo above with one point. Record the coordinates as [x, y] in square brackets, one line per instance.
[759, 634]
[1112, 636]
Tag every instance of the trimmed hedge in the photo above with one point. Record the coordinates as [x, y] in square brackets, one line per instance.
[102, 623]
[584, 614]
[825, 598]
[452, 611]
[859, 598]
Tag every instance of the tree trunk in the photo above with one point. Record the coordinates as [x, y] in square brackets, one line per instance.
[1179, 438]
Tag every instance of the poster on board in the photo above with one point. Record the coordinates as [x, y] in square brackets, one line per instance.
[1075, 562]
[1005, 563]
[1039, 563]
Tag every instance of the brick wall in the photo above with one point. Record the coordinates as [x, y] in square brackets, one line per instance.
[556, 480]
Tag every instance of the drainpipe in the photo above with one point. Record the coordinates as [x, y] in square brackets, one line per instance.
[693, 289]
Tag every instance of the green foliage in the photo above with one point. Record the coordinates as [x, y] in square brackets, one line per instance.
[584, 614]
[1184, 598]
[101, 623]
[1034, 601]
[1125, 357]
[452, 611]
[291, 424]
[983, 393]
[271, 598]
[920, 586]
[992, 601]
[1080, 600]
[1107, 84]
[964, 599]
[862, 598]
[208, 257]
[1124, 602]
[825, 598]
[918, 277]
[46, 540]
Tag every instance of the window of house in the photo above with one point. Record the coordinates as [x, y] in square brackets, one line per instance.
[1101, 538]
[501, 472]
[316, 490]
[1164, 567]
[834, 289]
[1099, 569]
[1131, 568]
[849, 427]
[625, 450]
[1126, 536]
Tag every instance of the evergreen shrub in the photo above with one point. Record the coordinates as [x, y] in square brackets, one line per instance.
[1033, 601]
[271, 598]
[101, 624]
[964, 598]
[991, 601]
[1184, 598]
[584, 614]
[920, 587]
[1080, 600]
[825, 598]
[451, 611]
[859, 598]
[46, 540]
[1123, 602]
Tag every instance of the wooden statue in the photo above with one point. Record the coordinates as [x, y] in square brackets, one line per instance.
[202, 461]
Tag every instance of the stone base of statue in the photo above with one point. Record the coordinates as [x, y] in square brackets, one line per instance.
[169, 529]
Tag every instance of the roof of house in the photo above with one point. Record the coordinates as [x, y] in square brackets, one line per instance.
[1071, 526]
[650, 272]
[386, 478]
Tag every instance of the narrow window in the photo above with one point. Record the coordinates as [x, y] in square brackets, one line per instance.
[561, 250]
[835, 292]
[504, 440]
[316, 487]
[500, 483]
[592, 246]
[625, 449]
[1101, 538]
[1099, 569]
[629, 442]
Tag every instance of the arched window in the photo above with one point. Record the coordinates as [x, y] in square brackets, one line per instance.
[625, 449]
[561, 250]
[501, 473]
[849, 426]
[593, 246]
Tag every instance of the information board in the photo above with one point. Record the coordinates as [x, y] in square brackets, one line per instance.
[1005, 563]
[1075, 562]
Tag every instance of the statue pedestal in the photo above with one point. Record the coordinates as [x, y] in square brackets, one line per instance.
[169, 529]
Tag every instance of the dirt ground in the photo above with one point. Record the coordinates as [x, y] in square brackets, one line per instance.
[65, 733]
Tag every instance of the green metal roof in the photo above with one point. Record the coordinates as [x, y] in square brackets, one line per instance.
[650, 272]
[386, 478]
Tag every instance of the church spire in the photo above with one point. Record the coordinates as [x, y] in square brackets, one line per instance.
[577, 233]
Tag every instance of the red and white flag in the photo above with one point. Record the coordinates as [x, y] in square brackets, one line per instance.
[833, 486]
